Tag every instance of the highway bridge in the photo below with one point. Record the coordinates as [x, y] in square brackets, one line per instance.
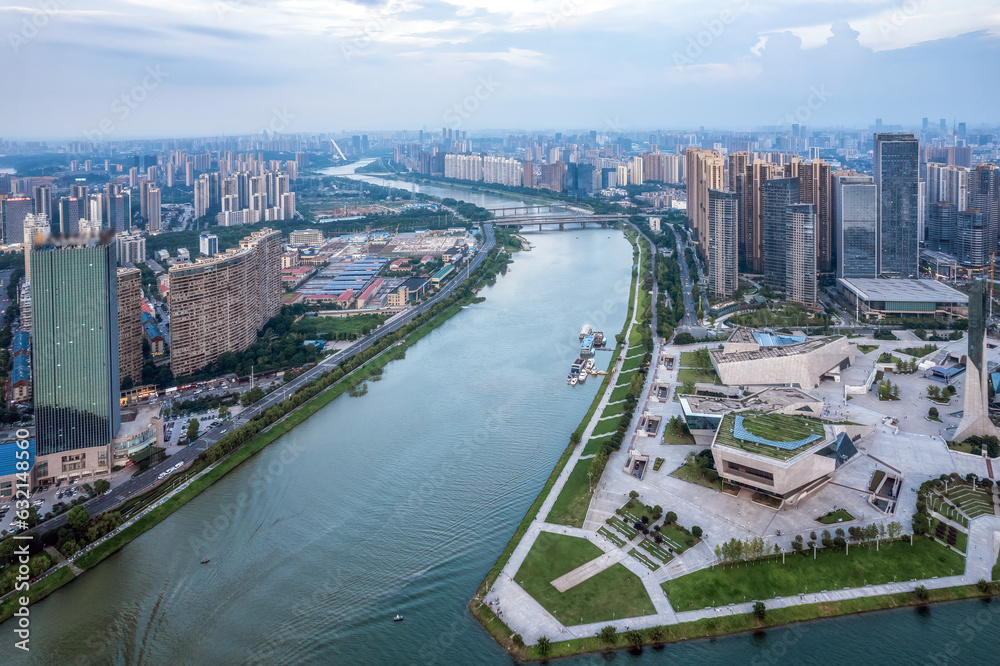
[514, 211]
[522, 222]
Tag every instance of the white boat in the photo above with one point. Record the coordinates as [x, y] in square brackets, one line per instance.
[590, 365]
[573, 381]
[581, 378]
[585, 331]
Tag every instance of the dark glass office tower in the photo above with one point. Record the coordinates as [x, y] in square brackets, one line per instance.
[776, 196]
[896, 176]
[74, 303]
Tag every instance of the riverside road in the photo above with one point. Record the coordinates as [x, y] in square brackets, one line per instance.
[147, 480]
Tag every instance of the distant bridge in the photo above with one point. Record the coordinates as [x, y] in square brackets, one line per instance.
[557, 220]
[513, 211]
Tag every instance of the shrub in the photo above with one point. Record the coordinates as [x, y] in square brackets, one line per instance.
[518, 641]
[544, 646]
[759, 610]
[609, 635]
[670, 518]
[921, 593]
[696, 531]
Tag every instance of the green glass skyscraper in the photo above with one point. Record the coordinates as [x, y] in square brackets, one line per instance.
[74, 302]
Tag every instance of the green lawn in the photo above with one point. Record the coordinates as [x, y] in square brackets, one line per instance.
[612, 537]
[708, 478]
[624, 378]
[671, 437]
[632, 363]
[615, 592]
[867, 349]
[355, 324]
[936, 503]
[774, 427]
[635, 337]
[637, 510]
[656, 550]
[840, 515]
[570, 508]
[919, 352]
[677, 538]
[613, 409]
[645, 559]
[606, 427]
[697, 376]
[831, 570]
[594, 445]
[619, 393]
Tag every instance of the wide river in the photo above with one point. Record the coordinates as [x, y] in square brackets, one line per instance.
[400, 501]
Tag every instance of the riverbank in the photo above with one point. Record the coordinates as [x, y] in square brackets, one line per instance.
[528, 198]
[212, 471]
[497, 628]
[725, 625]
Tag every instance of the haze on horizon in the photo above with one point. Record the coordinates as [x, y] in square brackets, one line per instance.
[152, 68]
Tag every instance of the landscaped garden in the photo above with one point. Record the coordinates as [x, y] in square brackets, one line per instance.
[833, 569]
[616, 592]
[835, 516]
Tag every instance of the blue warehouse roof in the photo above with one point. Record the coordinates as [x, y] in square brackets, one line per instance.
[9, 460]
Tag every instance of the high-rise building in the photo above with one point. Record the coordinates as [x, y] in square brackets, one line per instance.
[69, 216]
[131, 248]
[208, 245]
[896, 169]
[984, 195]
[74, 301]
[120, 211]
[706, 171]
[942, 227]
[13, 211]
[815, 187]
[800, 254]
[777, 195]
[36, 230]
[752, 214]
[42, 195]
[972, 230]
[95, 209]
[288, 204]
[201, 196]
[153, 210]
[855, 224]
[130, 325]
[218, 304]
[723, 266]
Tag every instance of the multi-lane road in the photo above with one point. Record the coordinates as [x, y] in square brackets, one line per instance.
[147, 480]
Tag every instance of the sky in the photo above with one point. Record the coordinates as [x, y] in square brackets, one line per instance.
[119, 69]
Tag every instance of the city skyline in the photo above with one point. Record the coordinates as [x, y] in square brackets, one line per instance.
[138, 71]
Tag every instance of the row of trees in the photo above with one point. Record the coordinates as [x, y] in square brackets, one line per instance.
[746, 550]
[938, 394]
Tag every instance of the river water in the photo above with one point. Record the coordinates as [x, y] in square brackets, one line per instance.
[399, 501]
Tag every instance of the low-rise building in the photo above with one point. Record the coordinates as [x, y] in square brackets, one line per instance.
[881, 298]
[761, 358]
[442, 275]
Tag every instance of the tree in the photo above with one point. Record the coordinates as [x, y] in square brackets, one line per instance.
[192, 431]
[544, 646]
[933, 413]
[251, 396]
[102, 486]
[635, 638]
[223, 411]
[921, 593]
[609, 635]
[759, 610]
[894, 529]
[517, 640]
[670, 518]
[78, 518]
[797, 544]
[696, 531]
[920, 523]
[657, 511]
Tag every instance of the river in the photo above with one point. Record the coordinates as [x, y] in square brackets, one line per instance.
[399, 501]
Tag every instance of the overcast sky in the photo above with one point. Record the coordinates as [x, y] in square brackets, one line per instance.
[142, 68]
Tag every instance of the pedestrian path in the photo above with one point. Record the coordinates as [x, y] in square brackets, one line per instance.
[588, 570]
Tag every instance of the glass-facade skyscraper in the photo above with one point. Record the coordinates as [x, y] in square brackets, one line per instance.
[897, 179]
[776, 196]
[74, 303]
[855, 226]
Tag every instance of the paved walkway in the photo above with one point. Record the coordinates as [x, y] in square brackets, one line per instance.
[588, 570]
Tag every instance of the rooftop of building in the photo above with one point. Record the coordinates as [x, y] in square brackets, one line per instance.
[902, 289]
[778, 436]
[780, 351]
[767, 400]
[137, 420]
